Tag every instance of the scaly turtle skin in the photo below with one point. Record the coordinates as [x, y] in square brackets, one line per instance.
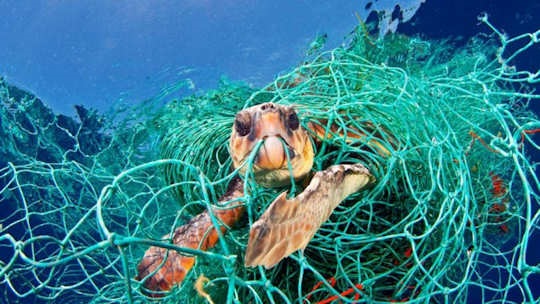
[285, 152]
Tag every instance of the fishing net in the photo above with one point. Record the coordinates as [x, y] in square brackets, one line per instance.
[452, 216]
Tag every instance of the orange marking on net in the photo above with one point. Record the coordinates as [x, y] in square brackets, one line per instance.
[408, 252]
[497, 208]
[504, 228]
[499, 187]
[343, 294]
[399, 301]
[476, 137]
[332, 282]
[533, 131]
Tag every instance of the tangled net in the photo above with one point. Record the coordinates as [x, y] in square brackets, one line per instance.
[451, 215]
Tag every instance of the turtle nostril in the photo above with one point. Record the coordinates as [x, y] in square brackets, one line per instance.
[268, 106]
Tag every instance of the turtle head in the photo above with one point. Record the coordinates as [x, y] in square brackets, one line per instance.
[279, 130]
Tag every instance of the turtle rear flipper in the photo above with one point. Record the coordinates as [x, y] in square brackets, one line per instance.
[289, 224]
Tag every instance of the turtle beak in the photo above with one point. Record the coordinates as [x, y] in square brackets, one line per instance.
[271, 129]
[272, 154]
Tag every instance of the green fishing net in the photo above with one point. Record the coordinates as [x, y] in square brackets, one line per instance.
[450, 218]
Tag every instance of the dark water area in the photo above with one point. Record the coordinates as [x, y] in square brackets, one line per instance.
[458, 21]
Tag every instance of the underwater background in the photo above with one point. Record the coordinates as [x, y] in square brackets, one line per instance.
[138, 58]
[96, 52]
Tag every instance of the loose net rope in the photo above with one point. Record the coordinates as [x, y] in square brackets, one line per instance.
[451, 214]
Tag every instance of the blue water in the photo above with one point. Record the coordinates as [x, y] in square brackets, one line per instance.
[98, 52]
[95, 52]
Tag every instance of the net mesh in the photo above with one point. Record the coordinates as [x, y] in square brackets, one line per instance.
[452, 213]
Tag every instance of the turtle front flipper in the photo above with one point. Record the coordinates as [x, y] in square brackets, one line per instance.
[289, 224]
[161, 269]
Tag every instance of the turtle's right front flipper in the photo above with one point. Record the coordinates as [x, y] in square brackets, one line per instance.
[289, 225]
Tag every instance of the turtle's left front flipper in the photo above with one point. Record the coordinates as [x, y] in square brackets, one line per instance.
[289, 224]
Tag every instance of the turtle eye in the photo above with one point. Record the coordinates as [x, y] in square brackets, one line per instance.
[242, 124]
[292, 121]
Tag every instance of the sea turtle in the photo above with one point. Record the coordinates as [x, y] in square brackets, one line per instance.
[269, 141]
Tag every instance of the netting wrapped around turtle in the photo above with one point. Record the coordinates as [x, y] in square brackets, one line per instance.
[451, 213]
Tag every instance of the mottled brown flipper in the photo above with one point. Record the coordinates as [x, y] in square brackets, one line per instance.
[161, 269]
[289, 225]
